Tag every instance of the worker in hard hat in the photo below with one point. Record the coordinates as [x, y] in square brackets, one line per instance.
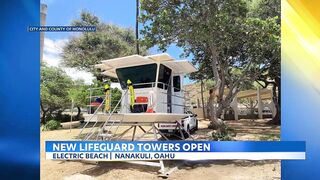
[132, 94]
[107, 98]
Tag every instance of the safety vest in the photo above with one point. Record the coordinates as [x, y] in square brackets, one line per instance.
[131, 90]
[107, 98]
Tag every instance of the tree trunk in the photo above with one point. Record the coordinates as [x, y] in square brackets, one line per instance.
[202, 100]
[216, 123]
[252, 106]
[44, 113]
[277, 101]
[79, 113]
[43, 117]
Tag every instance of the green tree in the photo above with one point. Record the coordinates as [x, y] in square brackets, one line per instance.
[88, 49]
[265, 15]
[265, 9]
[54, 86]
[220, 36]
[201, 77]
[79, 94]
[268, 52]
[213, 32]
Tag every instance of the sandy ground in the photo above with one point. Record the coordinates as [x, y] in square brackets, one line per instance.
[233, 170]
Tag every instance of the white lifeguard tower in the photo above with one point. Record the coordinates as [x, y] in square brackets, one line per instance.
[157, 81]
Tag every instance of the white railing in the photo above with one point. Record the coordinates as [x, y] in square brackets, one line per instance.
[114, 109]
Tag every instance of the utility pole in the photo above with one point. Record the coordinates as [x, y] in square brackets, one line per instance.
[43, 15]
[137, 26]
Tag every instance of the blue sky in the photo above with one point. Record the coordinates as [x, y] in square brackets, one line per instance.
[62, 12]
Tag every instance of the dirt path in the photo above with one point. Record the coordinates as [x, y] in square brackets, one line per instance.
[235, 170]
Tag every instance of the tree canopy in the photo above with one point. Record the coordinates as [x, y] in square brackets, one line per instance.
[88, 49]
[78, 93]
[58, 91]
[54, 86]
[266, 17]
[227, 39]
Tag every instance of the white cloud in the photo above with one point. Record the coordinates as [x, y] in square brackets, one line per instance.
[52, 50]
[76, 74]
[54, 46]
[52, 56]
[51, 59]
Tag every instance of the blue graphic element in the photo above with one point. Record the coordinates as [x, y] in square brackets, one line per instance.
[19, 90]
[300, 121]
[199, 146]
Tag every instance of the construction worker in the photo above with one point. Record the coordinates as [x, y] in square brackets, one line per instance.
[107, 101]
[132, 95]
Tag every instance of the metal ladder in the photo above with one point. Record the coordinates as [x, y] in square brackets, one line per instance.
[104, 129]
[91, 117]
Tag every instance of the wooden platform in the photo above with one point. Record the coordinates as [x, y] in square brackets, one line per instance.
[136, 117]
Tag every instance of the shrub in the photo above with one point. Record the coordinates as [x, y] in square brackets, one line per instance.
[51, 125]
[224, 134]
[218, 136]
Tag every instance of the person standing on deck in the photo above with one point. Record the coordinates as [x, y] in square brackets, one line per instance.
[107, 101]
[132, 94]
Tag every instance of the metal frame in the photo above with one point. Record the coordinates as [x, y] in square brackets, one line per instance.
[164, 172]
[104, 130]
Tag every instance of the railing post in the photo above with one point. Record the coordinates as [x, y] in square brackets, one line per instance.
[72, 106]
[110, 102]
[90, 92]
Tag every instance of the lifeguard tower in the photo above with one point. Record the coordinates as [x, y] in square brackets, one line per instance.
[158, 97]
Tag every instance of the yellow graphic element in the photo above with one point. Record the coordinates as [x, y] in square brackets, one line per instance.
[300, 27]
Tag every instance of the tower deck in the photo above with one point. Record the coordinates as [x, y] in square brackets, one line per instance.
[136, 117]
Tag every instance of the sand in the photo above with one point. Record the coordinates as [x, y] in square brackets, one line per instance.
[214, 169]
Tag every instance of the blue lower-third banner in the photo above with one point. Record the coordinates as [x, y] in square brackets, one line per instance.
[174, 150]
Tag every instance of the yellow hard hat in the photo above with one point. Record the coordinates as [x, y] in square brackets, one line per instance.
[106, 86]
[129, 82]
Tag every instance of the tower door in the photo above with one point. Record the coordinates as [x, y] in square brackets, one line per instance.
[178, 95]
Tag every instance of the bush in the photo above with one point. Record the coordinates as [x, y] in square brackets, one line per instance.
[51, 125]
[219, 136]
[224, 134]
